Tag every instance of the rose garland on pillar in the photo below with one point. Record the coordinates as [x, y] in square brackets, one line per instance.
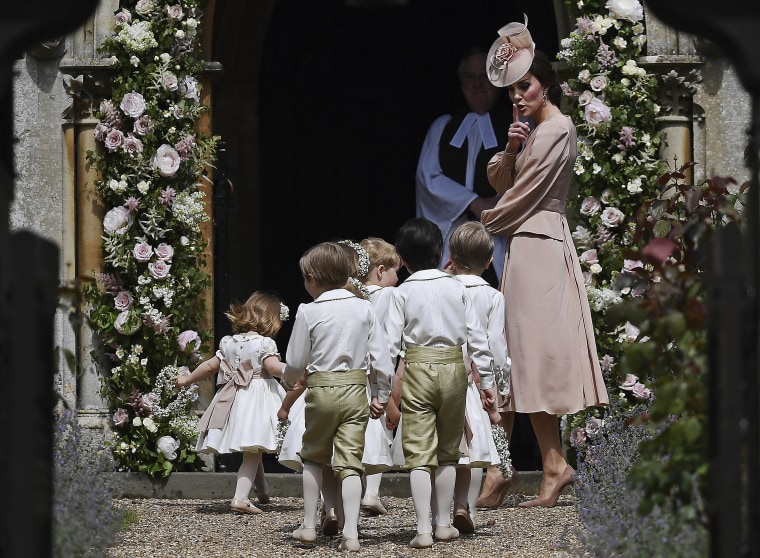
[147, 303]
[612, 103]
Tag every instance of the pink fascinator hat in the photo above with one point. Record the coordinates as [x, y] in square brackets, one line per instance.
[511, 55]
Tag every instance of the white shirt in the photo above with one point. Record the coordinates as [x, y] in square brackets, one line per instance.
[444, 201]
[489, 306]
[338, 332]
[432, 309]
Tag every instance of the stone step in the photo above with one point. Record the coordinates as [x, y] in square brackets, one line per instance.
[212, 486]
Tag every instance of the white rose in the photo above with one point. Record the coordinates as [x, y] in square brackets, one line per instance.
[167, 446]
[626, 9]
[150, 425]
[143, 187]
[117, 220]
[595, 269]
[584, 76]
[167, 160]
[174, 12]
[169, 81]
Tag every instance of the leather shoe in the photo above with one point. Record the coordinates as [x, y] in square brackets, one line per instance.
[349, 545]
[463, 522]
[446, 532]
[305, 534]
[422, 540]
[373, 505]
[244, 506]
[330, 526]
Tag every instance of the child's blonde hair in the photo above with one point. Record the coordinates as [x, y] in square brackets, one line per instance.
[471, 245]
[260, 313]
[380, 253]
[329, 263]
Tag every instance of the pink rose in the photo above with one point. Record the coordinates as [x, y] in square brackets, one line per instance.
[143, 252]
[167, 160]
[174, 12]
[598, 83]
[640, 391]
[590, 206]
[585, 98]
[147, 400]
[132, 145]
[121, 416]
[578, 436]
[101, 131]
[189, 339]
[123, 16]
[589, 257]
[159, 269]
[629, 382]
[143, 125]
[143, 6]
[123, 301]
[133, 104]
[122, 323]
[597, 112]
[612, 217]
[593, 426]
[169, 81]
[630, 265]
[114, 139]
[164, 252]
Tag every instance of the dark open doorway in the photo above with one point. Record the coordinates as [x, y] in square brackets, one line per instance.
[324, 106]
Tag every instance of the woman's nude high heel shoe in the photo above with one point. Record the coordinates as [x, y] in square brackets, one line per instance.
[499, 489]
[565, 479]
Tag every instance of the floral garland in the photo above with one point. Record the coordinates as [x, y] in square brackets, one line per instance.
[152, 166]
[502, 449]
[363, 267]
[612, 103]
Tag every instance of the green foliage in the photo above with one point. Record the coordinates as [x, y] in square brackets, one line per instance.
[674, 231]
[147, 304]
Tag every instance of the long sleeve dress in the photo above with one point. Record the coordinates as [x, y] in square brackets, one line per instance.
[555, 367]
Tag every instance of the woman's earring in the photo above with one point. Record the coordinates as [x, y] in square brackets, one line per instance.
[544, 100]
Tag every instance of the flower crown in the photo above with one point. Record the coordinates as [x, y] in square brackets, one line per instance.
[362, 253]
[284, 312]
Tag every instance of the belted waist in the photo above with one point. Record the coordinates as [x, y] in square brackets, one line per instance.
[438, 355]
[337, 378]
[552, 204]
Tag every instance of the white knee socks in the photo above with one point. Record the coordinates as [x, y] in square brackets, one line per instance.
[472, 495]
[445, 476]
[312, 485]
[419, 480]
[373, 484]
[246, 473]
[351, 490]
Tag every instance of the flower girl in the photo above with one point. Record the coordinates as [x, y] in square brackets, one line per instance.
[242, 416]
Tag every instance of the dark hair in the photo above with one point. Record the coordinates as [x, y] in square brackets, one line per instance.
[419, 242]
[545, 73]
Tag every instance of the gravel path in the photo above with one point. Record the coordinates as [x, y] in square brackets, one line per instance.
[185, 528]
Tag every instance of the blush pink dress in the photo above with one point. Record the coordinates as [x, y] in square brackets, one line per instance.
[555, 367]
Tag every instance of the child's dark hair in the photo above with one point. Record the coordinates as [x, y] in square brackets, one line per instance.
[419, 242]
[545, 73]
[329, 263]
[260, 313]
[471, 245]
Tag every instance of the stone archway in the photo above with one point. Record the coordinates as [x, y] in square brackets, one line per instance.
[324, 107]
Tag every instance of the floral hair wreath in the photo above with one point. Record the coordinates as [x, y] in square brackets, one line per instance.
[362, 253]
[284, 312]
